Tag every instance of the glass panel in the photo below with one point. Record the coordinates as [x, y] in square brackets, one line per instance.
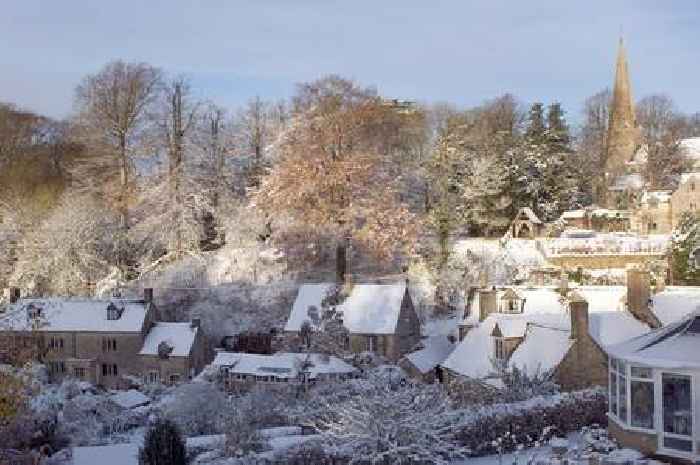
[678, 444]
[641, 372]
[677, 410]
[622, 399]
[642, 399]
[613, 363]
[613, 393]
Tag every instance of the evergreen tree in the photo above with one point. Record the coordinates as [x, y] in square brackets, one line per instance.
[685, 242]
[163, 445]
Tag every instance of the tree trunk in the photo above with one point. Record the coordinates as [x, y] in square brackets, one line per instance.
[341, 261]
[124, 181]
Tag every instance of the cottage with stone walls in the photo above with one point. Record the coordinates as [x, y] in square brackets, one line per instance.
[100, 341]
[562, 331]
[380, 318]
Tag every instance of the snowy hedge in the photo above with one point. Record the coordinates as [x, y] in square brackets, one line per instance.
[507, 427]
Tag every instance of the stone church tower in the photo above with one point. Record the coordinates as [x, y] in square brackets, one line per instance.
[623, 133]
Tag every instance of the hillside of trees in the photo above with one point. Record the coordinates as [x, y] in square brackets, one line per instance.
[338, 178]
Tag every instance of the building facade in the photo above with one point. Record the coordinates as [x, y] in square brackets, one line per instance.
[103, 342]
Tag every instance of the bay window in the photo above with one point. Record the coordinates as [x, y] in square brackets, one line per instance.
[677, 412]
[641, 398]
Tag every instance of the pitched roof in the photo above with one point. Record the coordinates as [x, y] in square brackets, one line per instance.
[369, 309]
[673, 346]
[685, 177]
[691, 147]
[434, 351]
[180, 336]
[546, 327]
[281, 365]
[60, 314]
[675, 303]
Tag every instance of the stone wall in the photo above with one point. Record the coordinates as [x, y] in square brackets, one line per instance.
[685, 199]
[646, 443]
[602, 261]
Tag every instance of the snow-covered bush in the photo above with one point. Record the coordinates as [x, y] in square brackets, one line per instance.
[412, 423]
[524, 424]
[197, 409]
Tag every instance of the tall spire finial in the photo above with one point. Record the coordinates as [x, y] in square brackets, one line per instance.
[622, 130]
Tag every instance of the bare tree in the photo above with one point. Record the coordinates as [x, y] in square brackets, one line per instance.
[662, 128]
[113, 106]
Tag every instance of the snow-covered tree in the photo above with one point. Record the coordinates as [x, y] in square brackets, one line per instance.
[331, 177]
[686, 245]
[405, 425]
[198, 408]
[163, 445]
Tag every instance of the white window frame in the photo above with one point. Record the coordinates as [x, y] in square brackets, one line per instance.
[649, 380]
[658, 397]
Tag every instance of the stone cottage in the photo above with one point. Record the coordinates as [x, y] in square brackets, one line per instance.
[380, 318]
[100, 341]
[561, 332]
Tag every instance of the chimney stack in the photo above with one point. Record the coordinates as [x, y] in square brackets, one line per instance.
[563, 283]
[148, 295]
[488, 303]
[578, 310]
[12, 294]
[639, 296]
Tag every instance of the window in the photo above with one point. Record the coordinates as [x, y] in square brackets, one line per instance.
[79, 372]
[56, 343]
[153, 377]
[677, 412]
[371, 343]
[618, 390]
[174, 379]
[109, 345]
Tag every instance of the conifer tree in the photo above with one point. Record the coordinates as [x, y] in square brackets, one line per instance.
[163, 445]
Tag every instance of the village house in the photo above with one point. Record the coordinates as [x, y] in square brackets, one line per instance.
[560, 331]
[379, 318]
[237, 369]
[593, 218]
[101, 341]
[654, 378]
[423, 363]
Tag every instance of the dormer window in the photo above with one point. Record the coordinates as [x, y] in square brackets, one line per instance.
[33, 312]
[114, 312]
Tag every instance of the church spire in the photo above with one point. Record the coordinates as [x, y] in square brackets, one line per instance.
[623, 136]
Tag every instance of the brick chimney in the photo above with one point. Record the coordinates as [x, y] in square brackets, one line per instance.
[639, 296]
[488, 303]
[12, 294]
[563, 283]
[148, 295]
[578, 310]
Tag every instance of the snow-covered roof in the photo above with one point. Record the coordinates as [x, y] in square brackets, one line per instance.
[685, 177]
[115, 454]
[280, 365]
[179, 336]
[369, 309]
[512, 327]
[60, 314]
[530, 215]
[546, 320]
[658, 196]
[673, 346]
[542, 350]
[129, 399]
[573, 214]
[691, 147]
[675, 303]
[628, 181]
[435, 350]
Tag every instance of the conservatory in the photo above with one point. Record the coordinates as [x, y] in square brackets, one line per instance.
[653, 382]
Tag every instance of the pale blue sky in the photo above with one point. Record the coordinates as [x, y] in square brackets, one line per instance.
[458, 51]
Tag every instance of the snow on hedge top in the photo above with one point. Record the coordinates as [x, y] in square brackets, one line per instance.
[57, 314]
[115, 454]
[179, 336]
[435, 350]
[281, 365]
[369, 309]
[674, 346]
